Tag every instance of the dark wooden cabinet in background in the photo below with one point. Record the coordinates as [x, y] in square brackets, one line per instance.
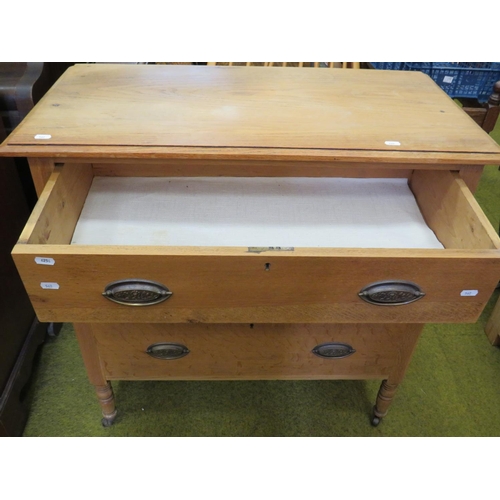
[21, 86]
[20, 333]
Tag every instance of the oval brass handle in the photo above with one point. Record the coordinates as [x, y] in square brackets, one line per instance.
[335, 350]
[136, 292]
[391, 293]
[167, 350]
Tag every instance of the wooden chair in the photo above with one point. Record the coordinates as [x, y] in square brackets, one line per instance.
[485, 115]
[344, 65]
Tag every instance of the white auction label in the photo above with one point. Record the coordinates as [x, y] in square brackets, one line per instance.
[448, 79]
[392, 143]
[45, 261]
[469, 293]
[49, 286]
[43, 136]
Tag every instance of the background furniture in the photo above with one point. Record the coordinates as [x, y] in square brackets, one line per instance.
[486, 114]
[21, 86]
[20, 331]
[460, 80]
[354, 65]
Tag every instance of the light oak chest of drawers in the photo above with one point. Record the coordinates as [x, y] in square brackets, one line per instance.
[151, 310]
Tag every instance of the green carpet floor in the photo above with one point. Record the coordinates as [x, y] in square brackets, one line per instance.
[451, 389]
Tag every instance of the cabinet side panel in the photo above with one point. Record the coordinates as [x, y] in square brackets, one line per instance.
[450, 210]
[60, 205]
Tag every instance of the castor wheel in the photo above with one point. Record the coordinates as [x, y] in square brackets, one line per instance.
[53, 329]
[107, 422]
[374, 419]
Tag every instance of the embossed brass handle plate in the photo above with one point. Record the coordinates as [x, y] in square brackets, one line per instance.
[136, 292]
[391, 293]
[167, 350]
[335, 350]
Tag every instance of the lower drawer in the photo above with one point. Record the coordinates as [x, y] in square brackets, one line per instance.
[260, 351]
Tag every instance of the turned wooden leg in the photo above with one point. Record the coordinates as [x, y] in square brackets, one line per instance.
[384, 399]
[107, 401]
[95, 373]
[406, 342]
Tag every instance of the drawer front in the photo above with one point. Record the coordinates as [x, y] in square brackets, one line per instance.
[240, 285]
[257, 288]
[253, 351]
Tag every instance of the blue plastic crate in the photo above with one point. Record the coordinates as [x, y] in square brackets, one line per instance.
[473, 80]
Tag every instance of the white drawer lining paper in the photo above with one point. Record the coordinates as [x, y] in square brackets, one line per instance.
[253, 212]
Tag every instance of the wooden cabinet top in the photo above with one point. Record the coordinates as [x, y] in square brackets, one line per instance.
[179, 111]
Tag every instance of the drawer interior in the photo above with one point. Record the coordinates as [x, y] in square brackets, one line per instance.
[253, 212]
[430, 210]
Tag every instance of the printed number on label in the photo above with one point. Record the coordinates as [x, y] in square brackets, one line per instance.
[45, 261]
[49, 286]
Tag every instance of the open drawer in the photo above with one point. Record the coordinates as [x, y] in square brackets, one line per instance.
[161, 283]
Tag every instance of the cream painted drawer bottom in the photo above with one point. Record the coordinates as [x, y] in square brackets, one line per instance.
[260, 351]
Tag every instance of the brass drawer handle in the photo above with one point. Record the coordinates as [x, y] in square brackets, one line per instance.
[335, 350]
[136, 292]
[391, 293]
[167, 350]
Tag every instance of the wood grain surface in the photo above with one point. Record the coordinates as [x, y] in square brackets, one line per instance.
[230, 289]
[450, 209]
[104, 107]
[255, 351]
